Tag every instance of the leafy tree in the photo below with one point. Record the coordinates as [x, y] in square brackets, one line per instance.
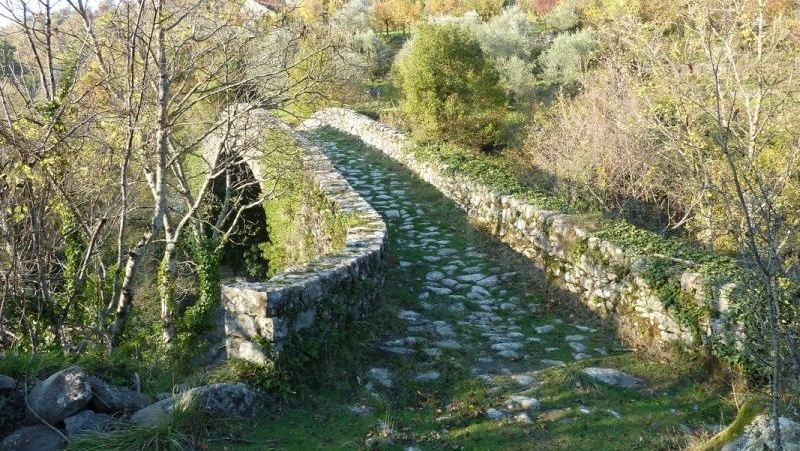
[564, 16]
[540, 7]
[391, 14]
[568, 56]
[434, 8]
[363, 52]
[597, 147]
[512, 41]
[451, 91]
[486, 9]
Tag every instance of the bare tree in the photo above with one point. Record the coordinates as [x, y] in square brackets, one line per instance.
[152, 85]
[737, 93]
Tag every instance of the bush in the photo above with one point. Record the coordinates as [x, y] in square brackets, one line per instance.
[598, 148]
[451, 93]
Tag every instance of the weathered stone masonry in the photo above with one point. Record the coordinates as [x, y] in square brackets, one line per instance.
[327, 291]
[605, 277]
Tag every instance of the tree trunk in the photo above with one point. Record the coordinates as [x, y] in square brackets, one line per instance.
[124, 303]
[166, 292]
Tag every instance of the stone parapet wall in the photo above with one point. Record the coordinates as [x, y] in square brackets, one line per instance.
[330, 291]
[609, 280]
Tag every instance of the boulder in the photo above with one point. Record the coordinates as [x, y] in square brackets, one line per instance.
[87, 422]
[215, 400]
[33, 438]
[108, 398]
[7, 383]
[59, 396]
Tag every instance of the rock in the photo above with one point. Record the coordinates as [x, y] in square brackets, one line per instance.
[59, 396]
[215, 400]
[443, 329]
[428, 376]
[360, 410]
[523, 379]
[509, 354]
[409, 315]
[519, 402]
[574, 338]
[760, 435]
[494, 414]
[448, 344]
[584, 328]
[108, 398]
[475, 277]
[506, 346]
[86, 422]
[397, 350]
[578, 346]
[613, 377]
[7, 383]
[449, 283]
[12, 412]
[549, 362]
[33, 438]
[382, 376]
[480, 292]
[523, 418]
[488, 281]
[442, 291]
[545, 329]
[434, 276]
[457, 307]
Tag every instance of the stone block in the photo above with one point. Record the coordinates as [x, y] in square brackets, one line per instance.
[305, 320]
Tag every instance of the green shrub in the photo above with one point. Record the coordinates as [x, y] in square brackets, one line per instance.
[451, 92]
